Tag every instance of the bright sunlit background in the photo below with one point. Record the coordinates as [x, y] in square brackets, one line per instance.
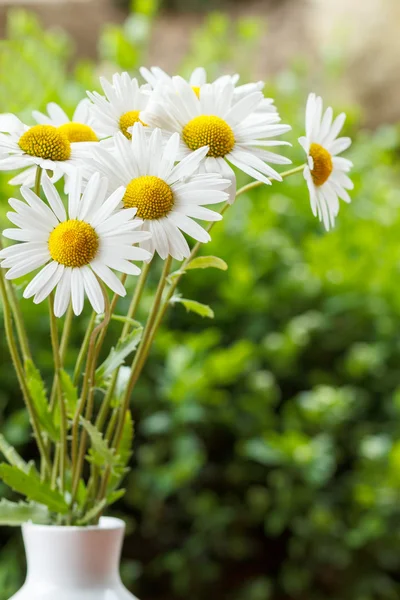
[267, 462]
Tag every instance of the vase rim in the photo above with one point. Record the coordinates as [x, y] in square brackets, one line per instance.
[105, 524]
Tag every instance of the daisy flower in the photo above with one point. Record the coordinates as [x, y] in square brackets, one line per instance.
[78, 129]
[325, 172]
[155, 76]
[121, 107]
[45, 146]
[234, 132]
[74, 248]
[167, 197]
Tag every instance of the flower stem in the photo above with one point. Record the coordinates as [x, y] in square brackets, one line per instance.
[18, 318]
[84, 348]
[61, 402]
[104, 409]
[256, 184]
[63, 349]
[135, 371]
[21, 375]
[88, 390]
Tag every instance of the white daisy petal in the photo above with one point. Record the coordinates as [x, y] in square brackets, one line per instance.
[50, 284]
[63, 293]
[93, 290]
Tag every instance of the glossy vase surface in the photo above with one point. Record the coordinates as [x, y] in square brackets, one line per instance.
[74, 563]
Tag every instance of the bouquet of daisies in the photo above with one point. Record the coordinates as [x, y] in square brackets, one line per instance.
[134, 182]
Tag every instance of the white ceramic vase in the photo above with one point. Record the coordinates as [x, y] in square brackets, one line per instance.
[74, 563]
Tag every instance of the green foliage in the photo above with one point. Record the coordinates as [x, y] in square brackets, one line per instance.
[193, 306]
[14, 514]
[70, 393]
[37, 389]
[117, 355]
[206, 262]
[12, 456]
[100, 453]
[30, 486]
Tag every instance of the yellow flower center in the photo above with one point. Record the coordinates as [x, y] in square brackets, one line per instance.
[209, 131]
[128, 120]
[45, 141]
[73, 243]
[78, 132]
[196, 89]
[152, 197]
[323, 166]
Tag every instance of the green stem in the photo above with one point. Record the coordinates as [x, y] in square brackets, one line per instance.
[137, 361]
[61, 401]
[84, 348]
[135, 369]
[88, 390]
[21, 375]
[63, 350]
[104, 409]
[256, 184]
[18, 318]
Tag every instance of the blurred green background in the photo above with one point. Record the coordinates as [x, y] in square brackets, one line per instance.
[267, 457]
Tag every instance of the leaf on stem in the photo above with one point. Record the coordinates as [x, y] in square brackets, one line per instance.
[38, 394]
[12, 456]
[14, 514]
[125, 452]
[118, 355]
[193, 306]
[29, 485]
[70, 392]
[100, 453]
[207, 262]
[93, 513]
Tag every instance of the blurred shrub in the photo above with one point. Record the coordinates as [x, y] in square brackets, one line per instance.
[268, 461]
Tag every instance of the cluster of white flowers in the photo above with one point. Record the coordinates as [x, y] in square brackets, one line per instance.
[141, 165]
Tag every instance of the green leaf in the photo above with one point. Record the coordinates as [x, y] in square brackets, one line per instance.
[12, 455]
[207, 262]
[29, 485]
[193, 306]
[93, 513]
[70, 392]
[100, 453]
[125, 452]
[125, 449]
[16, 513]
[172, 276]
[118, 354]
[38, 394]
[115, 496]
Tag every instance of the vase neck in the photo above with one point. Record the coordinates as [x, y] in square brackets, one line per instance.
[74, 556]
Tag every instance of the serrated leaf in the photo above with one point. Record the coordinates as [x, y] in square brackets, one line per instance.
[115, 496]
[118, 354]
[207, 262]
[70, 392]
[125, 449]
[93, 513]
[12, 456]
[124, 454]
[30, 486]
[193, 306]
[38, 394]
[100, 453]
[14, 514]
